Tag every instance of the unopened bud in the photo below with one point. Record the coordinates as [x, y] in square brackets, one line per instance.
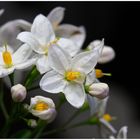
[99, 90]
[18, 93]
[32, 123]
[107, 55]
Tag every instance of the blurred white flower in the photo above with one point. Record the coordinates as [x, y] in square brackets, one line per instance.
[19, 59]
[41, 38]
[1, 11]
[32, 123]
[43, 107]
[68, 74]
[74, 33]
[10, 30]
[106, 55]
[122, 134]
[18, 93]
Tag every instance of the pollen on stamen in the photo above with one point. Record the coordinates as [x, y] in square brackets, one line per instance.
[7, 58]
[72, 75]
[41, 106]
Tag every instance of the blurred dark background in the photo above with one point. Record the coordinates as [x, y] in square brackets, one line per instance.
[119, 24]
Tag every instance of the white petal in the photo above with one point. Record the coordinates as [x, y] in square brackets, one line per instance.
[91, 77]
[59, 60]
[108, 125]
[26, 64]
[42, 29]
[30, 39]
[22, 54]
[42, 64]
[52, 82]
[97, 45]
[10, 30]
[75, 94]
[92, 104]
[1, 11]
[76, 34]
[56, 16]
[68, 45]
[4, 72]
[107, 55]
[122, 133]
[85, 61]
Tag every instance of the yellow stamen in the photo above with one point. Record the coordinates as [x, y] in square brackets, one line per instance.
[99, 73]
[107, 117]
[72, 75]
[41, 106]
[7, 58]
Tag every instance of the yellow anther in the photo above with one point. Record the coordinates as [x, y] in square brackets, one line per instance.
[7, 58]
[72, 75]
[99, 73]
[107, 117]
[41, 106]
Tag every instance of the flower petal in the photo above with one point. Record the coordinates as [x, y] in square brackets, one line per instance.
[74, 33]
[10, 30]
[122, 134]
[68, 46]
[30, 39]
[26, 64]
[22, 54]
[1, 11]
[4, 72]
[52, 82]
[85, 61]
[59, 59]
[91, 78]
[56, 16]
[75, 94]
[42, 64]
[42, 29]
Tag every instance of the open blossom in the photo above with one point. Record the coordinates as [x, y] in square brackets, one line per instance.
[106, 55]
[19, 59]
[41, 38]
[43, 107]
[68, 74]
[74, 33]
[18, 93]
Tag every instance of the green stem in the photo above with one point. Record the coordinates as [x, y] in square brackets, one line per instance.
[34, 88]
[11, 77]
[3, 108]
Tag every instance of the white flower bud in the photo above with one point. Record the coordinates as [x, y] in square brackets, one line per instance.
[107, 55]
[43, 107]
[32, 123]
[18, 93]
[99, 90]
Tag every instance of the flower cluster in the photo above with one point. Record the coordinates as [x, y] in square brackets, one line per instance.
[55, 52]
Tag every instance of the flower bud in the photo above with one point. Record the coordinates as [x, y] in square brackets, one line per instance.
[18, 93]
[99, 90]
[43, 107]
[107, 55]
[32, 123]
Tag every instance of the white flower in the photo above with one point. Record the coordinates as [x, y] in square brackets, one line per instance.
[122, 134]
[68, 74]
[41, 38]
[18, 93]
[107, 54]
[43, 107]
[74, 33]
[10, 30]
[1, 11]
[20, 59]
[99, 90]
